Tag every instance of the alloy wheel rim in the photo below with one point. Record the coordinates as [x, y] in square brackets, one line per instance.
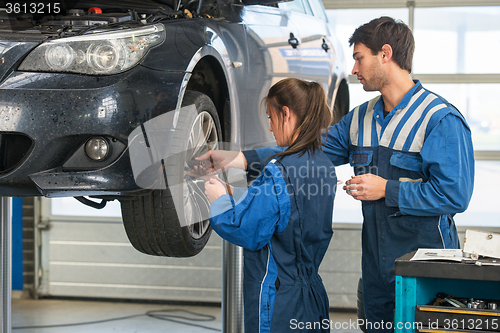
[202, 137]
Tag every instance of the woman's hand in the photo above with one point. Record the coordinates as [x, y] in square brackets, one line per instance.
[217, 161]
[214, 188]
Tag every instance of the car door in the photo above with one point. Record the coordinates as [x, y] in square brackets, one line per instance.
[315, 47]
[273, 54]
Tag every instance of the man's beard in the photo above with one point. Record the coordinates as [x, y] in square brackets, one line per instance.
[377, 81]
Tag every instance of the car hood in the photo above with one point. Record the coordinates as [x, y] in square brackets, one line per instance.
[76, 17]
[141, 5]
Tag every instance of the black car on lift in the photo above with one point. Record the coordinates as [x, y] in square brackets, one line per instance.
[77, 77]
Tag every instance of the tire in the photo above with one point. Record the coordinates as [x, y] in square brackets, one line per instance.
[341, 105]
[153, 224]
[360, 306]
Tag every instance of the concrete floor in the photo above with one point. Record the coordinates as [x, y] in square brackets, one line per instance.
[58, 316]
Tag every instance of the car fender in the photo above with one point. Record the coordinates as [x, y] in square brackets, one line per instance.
[217, 49]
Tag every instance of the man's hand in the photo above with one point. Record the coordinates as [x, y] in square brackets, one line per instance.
[367, 187]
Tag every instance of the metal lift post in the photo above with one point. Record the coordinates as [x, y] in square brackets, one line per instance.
[232, 288]
[6, 263]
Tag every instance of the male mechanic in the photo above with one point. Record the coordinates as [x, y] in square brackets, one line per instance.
[412, 156]
[413, 160]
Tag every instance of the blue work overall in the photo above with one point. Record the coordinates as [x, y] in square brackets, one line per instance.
[284, 223]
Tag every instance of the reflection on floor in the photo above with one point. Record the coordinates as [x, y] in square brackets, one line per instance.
[83, 316]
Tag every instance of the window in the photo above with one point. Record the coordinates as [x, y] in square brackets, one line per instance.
[483, 208]
[478, 103]
[318, 9]
[343, 23]
[293, 6]
[457, 40]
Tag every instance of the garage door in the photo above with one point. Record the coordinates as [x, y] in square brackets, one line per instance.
[87, 254]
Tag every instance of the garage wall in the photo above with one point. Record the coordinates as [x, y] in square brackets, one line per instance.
[84, 256]
[341, 267]
[91, 257]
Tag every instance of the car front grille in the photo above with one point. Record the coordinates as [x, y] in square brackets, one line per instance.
[14, 148]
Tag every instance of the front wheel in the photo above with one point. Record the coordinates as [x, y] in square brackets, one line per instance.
[174, 222]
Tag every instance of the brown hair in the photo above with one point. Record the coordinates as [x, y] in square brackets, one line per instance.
[385, 30]
[307, 101]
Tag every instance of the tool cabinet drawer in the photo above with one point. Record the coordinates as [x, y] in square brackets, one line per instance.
[425, 330]
[450, 319]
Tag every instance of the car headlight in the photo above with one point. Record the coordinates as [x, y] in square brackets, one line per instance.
[99, 53]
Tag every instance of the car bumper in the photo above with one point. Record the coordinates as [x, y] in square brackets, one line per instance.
[58, 113]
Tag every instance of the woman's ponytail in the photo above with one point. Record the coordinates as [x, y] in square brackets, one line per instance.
[308, 101]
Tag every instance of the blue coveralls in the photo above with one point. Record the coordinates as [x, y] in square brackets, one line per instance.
[423, 148]
[284, 223]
